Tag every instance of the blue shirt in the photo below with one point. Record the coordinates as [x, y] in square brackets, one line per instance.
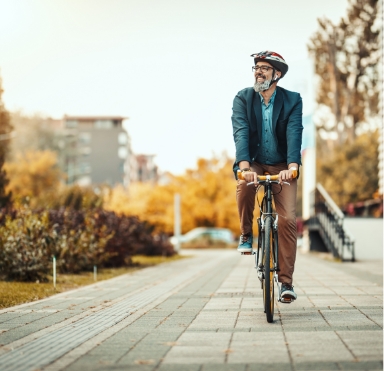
[268, 153]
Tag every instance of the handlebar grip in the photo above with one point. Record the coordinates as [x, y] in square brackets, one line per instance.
[264, 177]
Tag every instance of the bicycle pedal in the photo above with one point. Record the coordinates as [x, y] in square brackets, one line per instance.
[286, 301]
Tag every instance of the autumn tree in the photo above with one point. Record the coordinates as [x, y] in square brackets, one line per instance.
[5, 136]
[346, 59]
[34, 176]
[208, 198]
[33, 133]
[350, 175]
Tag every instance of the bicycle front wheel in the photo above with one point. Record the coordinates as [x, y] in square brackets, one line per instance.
[269, 265]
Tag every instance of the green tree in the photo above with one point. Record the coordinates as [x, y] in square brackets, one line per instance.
[5, 137]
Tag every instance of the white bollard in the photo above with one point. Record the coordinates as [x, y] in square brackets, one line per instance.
[54, 273]
[95, 273]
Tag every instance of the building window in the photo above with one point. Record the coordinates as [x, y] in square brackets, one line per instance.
[84, 168]
[85, 151]
[71, 123]
[122, 152]
[122, 139]
[103, 124]
[84, 181]
[84, 138]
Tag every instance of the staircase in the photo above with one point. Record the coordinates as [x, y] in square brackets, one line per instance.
[327, 222]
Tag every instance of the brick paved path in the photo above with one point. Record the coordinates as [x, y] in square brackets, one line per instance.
[203, 313]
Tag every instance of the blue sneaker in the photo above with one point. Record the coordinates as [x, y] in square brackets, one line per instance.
[287, 293]
[245, 243]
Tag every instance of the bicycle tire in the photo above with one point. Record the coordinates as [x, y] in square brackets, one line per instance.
[260, 253]
[269, 264]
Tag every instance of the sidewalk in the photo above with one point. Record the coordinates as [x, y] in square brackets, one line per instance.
[203, 313]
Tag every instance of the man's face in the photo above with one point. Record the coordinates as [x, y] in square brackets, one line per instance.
[263, 76]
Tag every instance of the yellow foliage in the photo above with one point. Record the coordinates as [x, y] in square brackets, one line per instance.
[350, 172]
[33, 174]
[208, 198]
[128, 203]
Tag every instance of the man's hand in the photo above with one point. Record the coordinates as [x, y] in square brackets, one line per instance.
[288, 175]
[250, 176]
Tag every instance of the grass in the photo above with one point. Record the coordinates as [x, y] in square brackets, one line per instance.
[14, 293]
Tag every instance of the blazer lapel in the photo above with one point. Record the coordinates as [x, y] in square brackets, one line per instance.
[278, 103]
[258, 112]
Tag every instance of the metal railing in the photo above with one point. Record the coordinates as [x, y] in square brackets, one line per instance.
[328, 219]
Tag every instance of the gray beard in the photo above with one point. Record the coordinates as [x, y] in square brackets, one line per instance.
[258, 87]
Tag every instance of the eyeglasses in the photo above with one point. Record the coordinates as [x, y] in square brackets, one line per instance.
[261, 68]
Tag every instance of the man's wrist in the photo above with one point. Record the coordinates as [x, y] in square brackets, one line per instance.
[293, 166]
[243, 164]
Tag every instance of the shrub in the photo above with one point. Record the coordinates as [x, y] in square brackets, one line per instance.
[77, 198]
[131, 236]
[127, 235]
[29, 240]
[26, 242]
[79, 239]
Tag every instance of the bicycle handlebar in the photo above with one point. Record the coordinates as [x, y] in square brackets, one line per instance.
[261, 178]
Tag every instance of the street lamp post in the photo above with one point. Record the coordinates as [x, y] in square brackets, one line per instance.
[177, 221]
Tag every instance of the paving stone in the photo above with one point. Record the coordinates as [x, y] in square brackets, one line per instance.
[143, 356]
[214, 322]
[250, 346]
[316, 366]
[317, 346]
[224, 367]
[365, 345]
[180, 367]
[269, 365]
[361, 365]
[85, 363]
[197, 354]
[114, 367]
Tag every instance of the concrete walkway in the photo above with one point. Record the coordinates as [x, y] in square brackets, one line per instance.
[200, 314]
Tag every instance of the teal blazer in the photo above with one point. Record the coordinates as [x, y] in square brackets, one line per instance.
[286, 121]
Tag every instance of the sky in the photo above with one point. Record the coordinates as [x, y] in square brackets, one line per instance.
[172, 67]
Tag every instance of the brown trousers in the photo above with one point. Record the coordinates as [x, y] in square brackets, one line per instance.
[285, 204]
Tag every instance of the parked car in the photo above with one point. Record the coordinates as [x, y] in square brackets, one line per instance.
[211, 234]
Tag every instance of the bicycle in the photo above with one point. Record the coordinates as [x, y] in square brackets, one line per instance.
[266, 255]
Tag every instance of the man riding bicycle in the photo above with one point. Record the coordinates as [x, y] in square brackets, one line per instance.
[267, 129]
